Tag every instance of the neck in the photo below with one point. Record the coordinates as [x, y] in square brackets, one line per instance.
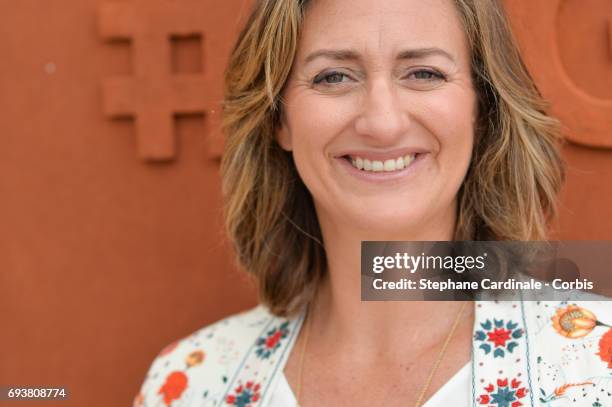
[373, 327]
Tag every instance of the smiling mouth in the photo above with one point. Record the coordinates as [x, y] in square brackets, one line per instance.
[390, 165]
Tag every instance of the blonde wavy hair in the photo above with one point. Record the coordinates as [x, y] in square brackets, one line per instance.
[509, 192]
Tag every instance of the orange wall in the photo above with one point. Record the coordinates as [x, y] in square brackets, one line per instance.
[567, 45]
[111, 243]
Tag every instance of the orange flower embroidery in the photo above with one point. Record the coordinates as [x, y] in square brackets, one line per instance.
[605, 348]
[175, 385]
[559, 391]
[195, 358]
[574, 322]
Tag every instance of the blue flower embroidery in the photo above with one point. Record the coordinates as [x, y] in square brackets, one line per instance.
[267, 345]
[498, 337]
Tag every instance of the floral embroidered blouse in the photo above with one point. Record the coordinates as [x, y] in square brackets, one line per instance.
[524, 353]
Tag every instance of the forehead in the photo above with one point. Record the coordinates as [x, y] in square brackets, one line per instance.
[383, 28]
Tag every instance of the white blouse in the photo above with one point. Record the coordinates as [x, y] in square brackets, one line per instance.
[453, 393]
[524, 353]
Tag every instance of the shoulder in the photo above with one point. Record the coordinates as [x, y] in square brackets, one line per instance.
[572, 342]
[570, 319]
[562, 347]
[569, 314]
[208, 355]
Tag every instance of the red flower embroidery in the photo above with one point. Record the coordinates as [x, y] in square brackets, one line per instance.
[175, 384]
[499, 336]
[245, 395]
[502, 394]
[605, 348]
[272, 340]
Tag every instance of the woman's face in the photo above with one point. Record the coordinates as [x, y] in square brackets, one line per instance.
[379, 113]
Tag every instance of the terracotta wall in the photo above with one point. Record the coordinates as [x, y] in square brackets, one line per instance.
[110, 232]
[567, 45]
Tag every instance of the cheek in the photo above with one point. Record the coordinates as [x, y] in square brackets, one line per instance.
[452, 121]
[316, 122]
[322, 117]
[311, 125]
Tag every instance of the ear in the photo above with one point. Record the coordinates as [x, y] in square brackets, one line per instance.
[283, 135]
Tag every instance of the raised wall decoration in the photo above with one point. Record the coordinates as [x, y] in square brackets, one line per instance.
[160, 87]
[567, 44]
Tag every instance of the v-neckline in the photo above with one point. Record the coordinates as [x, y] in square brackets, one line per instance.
[467, 367]
[463, 374]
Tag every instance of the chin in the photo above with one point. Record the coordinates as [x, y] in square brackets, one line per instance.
[390, 224]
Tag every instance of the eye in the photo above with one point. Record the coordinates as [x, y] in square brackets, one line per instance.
[330, 78]
[426, 75]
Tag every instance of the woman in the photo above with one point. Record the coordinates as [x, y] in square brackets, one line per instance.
[353, 120]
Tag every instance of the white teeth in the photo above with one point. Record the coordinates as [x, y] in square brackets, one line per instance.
[377, 166]
[408, 159]
[359, 162]
[380, 166]
[389, 165]
[399, 163]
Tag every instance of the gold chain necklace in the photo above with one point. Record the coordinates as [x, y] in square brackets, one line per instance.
[427, 381]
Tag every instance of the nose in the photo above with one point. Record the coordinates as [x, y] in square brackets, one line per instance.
[383, 118]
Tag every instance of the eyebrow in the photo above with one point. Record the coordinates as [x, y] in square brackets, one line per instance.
[352, 55]
[417, 53]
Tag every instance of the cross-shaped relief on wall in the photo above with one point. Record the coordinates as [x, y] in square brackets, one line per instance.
[171, 73]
